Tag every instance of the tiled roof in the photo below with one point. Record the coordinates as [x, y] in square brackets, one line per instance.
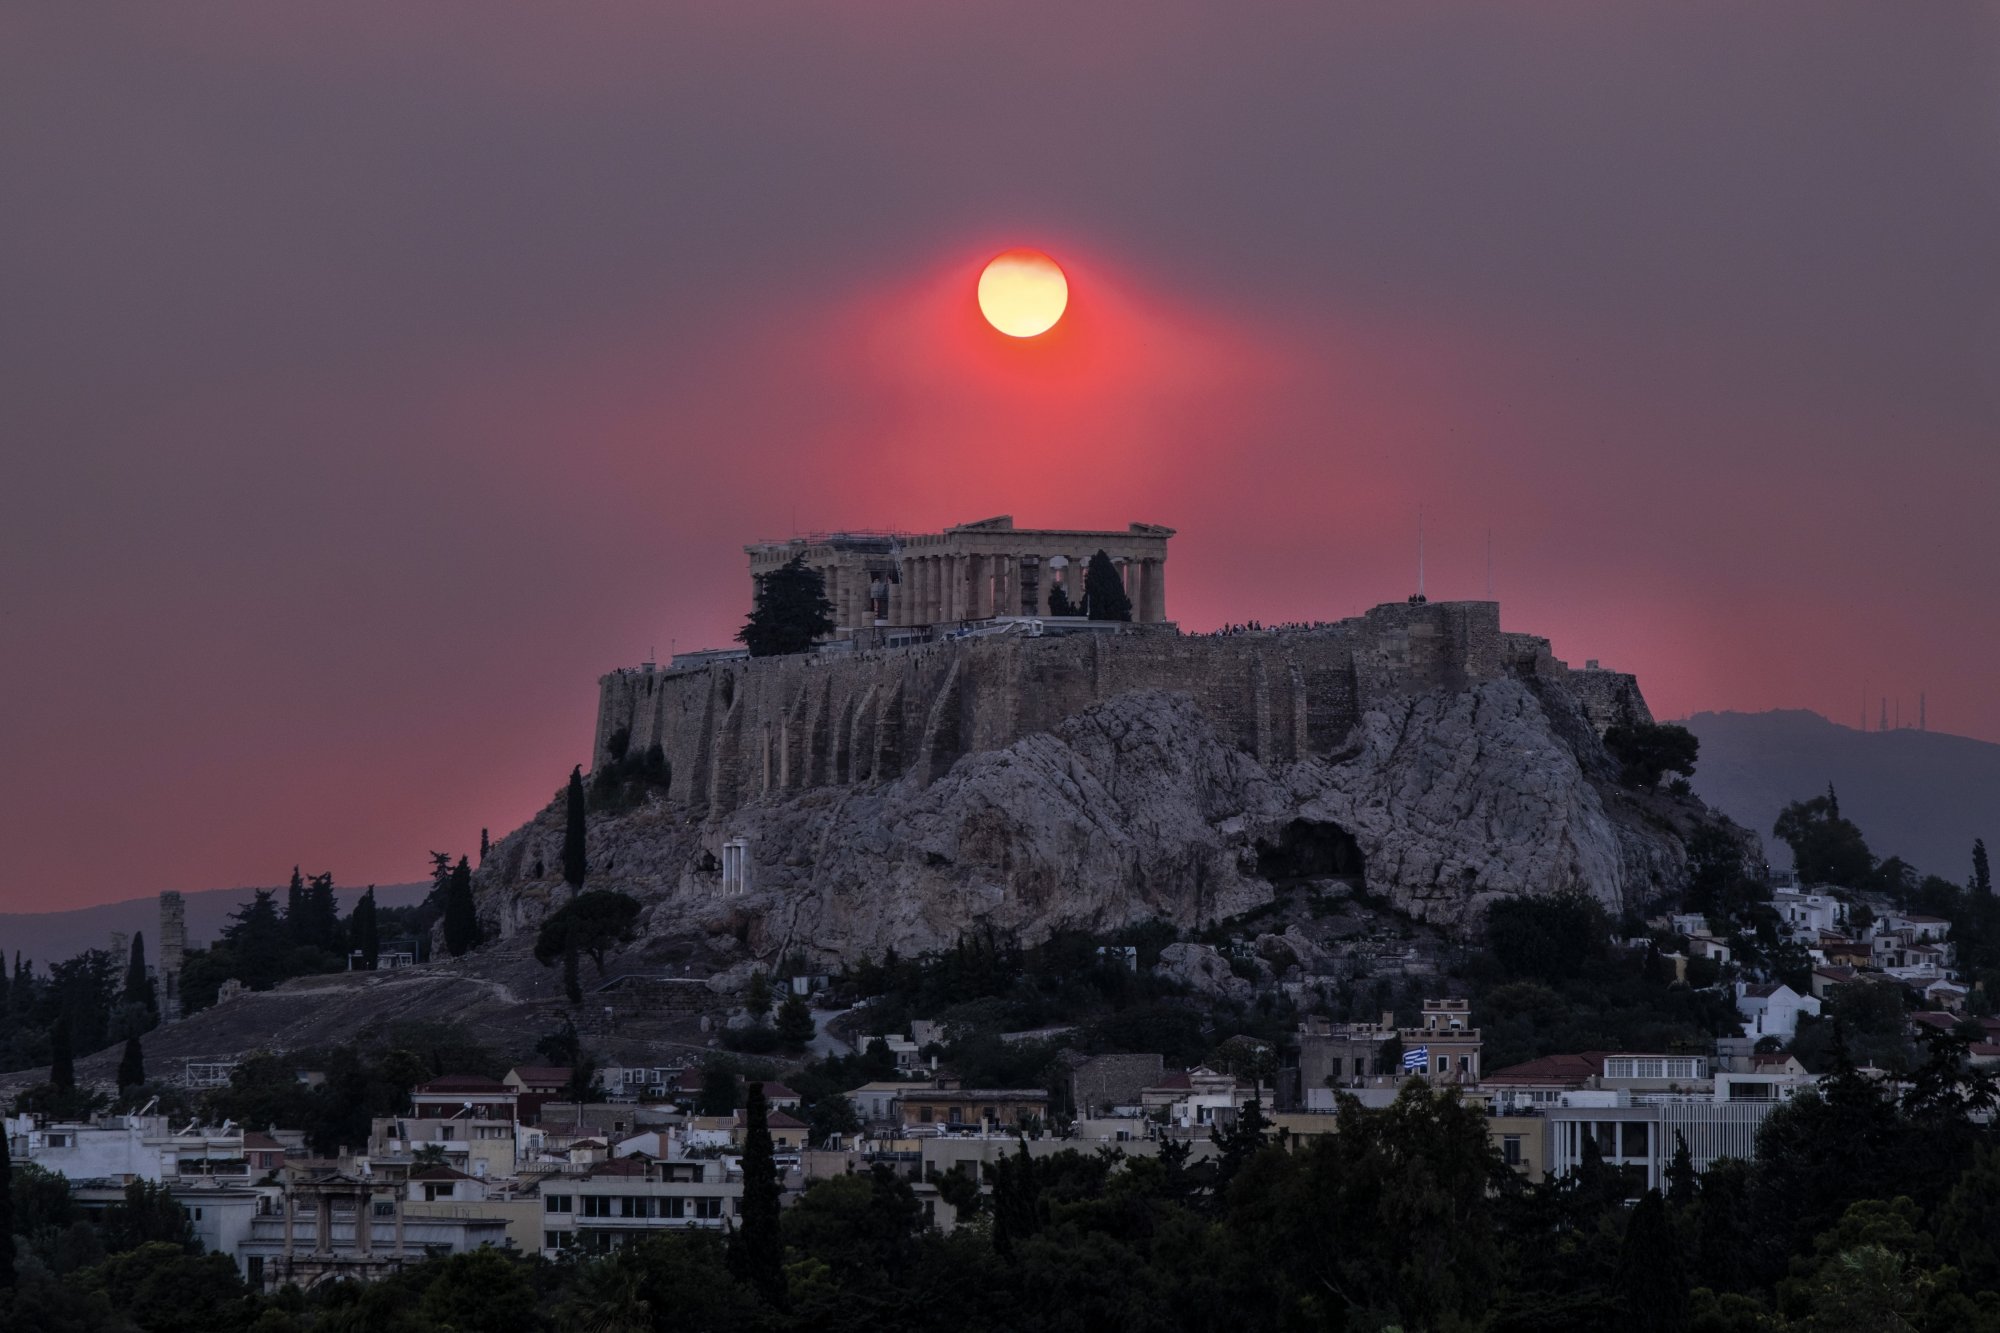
[784, 1120]
[462, 1083]
[1551, 1069]
[439, 1172]
[256, 1142]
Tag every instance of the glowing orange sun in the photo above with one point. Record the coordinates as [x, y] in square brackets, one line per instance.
[1023, 293]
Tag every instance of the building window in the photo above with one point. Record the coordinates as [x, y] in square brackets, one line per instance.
[256, 1266]
[1635, 1139]
[957, 1116]
[556, 1203]
[1444, 1062]
[709, 1208]
[675, 1207]
[1334, 1070]
[924, 1114]
[1510, 1149]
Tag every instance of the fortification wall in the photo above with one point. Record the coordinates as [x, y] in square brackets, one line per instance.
[734, 731]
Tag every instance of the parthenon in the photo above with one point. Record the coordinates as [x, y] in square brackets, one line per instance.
[883, 584]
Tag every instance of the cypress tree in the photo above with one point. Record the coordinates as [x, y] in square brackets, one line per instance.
[1982, 869]
[295, 908]
[132, 1065]
[574, 867]
[22, 994]
[461, 921]
[485, 845]
[762, 1248]
[6, 989]
[6, 1208]
[322, 908]
[365, 933]
[1651, 1275]
[139, 986]
[1104, 592]
[62, 1061]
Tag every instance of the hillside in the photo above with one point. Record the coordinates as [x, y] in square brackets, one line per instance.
[52, 936]
[1920, 795]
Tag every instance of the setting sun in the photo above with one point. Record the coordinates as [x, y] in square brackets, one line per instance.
[1023, 293]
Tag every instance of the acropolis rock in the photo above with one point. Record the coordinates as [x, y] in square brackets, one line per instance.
[840, 805]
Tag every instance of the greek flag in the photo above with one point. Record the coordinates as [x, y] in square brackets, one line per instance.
[1416, 1060]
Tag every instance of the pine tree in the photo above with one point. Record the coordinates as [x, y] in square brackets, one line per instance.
[574, 866]
[572, 984]
[791, 612]
[795, 1022]
[363, 932]
[461, 920]
[6, 1207]
[485, 845]
[761, 1246]
[1104, 592]
[21, 995]
[132, 1065]
[757, 999]
[62, 1061]
[1982, 870]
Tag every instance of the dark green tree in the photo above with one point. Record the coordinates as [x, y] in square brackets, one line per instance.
[6, 1212]
[1646, 752]
[1826, 849]
[757, 998]
[21, 995]
[574, 866]
[1059, 602]
[1104, 592]
[132, 1065]
[319, 925]
[791, 612]
[718, 1089]
[62, 1060]
[1982, 870]
[760, 1245]
[295, 908]
[1683, 1184]
[139, 986]
[461, 919]
[147, 1215]
[590, 923]
[795, 1023]
[1651, 1275]
[364, 930]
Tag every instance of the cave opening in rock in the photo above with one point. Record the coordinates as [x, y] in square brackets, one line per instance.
[1310, 849]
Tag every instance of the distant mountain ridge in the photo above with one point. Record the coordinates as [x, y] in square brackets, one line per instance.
[50, 937]
[1920, 795]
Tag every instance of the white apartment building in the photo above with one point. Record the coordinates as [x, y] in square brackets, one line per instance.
[630, 1197]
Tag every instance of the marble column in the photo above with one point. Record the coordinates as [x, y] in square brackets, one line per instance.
[1156, 590]
[899, 595]
[1135, 588]
[927, 576]
[984, 567]
[1008, 585]
[323, 1210]
[956, 575]
[364, 1222]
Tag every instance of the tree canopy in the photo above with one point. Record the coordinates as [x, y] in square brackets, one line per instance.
[1104, 592]
[791, 612]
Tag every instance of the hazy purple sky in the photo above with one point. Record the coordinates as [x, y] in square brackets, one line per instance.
[374, 376]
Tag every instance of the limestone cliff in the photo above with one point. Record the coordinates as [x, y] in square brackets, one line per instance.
[1138, 805]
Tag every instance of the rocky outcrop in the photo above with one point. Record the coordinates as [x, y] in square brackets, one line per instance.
[1134, 809]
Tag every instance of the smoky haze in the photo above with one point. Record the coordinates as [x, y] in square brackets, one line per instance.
[374, 377]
